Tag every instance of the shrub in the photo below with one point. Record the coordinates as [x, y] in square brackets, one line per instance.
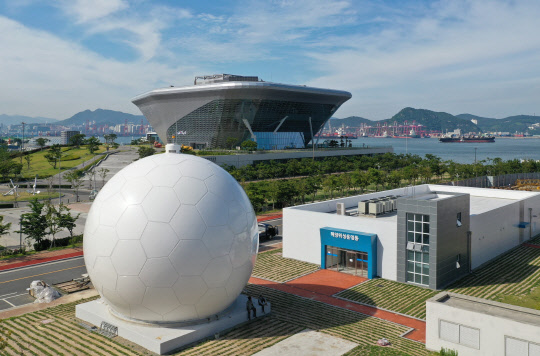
[448, 352]
[66, 241]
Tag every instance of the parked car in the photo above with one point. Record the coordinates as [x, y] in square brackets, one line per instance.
[267, 231]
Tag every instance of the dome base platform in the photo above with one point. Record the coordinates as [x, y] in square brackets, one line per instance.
[163, 340]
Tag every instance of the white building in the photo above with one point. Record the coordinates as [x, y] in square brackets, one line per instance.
[429, 235]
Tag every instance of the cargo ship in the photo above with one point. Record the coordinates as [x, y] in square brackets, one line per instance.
[468, 139]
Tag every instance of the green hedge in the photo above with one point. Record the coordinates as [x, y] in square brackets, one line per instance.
[66, 241]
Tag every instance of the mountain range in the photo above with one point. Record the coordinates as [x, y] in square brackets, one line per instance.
[443, 122]
[17, 119]
[432, 120]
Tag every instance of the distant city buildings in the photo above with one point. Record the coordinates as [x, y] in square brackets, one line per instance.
[65, 136]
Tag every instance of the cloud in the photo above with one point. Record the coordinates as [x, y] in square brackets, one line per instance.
[91, 10]
[44, 75]
[456, 51]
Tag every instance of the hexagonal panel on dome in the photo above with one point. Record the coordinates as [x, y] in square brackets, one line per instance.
[160, 300]
[113, 298]
[185, 312]
[105, 240]
[190, 190]
[104, 274]
[196, 167]
[139, 168]
[217, 272]
[213, 210]
[143, 313]
[169, 159]
[237, 217]
[112, 209]
[135, 190]
[131, 289]
[190, 257]
[132, 223]
[164, 176]
[188, 223]
[158, 272]
[92, 221]
[238, 279]
[240, 253]
[128, 257]
[218, 240]
[222, 185]
[212, 302]
[112, 187]
[189, 289]
[160, 204]
[158, 239]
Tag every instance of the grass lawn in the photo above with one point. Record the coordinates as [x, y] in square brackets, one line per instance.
[71, 157]
[25, 196]
[272, 266]
[513, 278]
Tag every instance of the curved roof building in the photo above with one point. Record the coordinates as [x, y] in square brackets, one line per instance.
[220, 107]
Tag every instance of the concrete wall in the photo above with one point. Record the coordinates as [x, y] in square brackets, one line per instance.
[497, 231]
[486, 316]
[451, 240]
[301, 236]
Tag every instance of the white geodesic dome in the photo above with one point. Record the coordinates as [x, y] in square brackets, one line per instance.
[170, 238]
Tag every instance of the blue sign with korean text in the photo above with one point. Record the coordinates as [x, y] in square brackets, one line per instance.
[350, 240]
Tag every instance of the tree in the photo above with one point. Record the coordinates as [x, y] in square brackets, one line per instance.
[333, 144]
[76, 180]
[28, 158]
[34, 224]
[52, 219]
[77, 140]
[145, 151]
[110, 138]
[92, 143]
[103, 174]
[230, 142]
[4, 228]
[249, 145]
[54, 155]
[42, 142]
[67, 221]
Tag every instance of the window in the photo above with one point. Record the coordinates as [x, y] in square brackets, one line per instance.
[418, 249]
[459, 334]
[516, 347]
[458, 222]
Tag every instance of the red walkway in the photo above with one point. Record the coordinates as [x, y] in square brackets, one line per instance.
[313, 288]
[531, 245]
[38, 258]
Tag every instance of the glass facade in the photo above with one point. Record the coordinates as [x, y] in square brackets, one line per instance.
[211, 125]
[418, 248]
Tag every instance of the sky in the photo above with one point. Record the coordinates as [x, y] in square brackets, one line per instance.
[60, 57]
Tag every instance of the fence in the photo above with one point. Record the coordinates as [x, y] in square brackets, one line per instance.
[503, 180]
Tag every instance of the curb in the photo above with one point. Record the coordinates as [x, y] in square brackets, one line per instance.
[272, 217]
[41, 260]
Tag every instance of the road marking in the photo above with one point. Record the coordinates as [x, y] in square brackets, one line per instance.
[41, 274]
[13, 296]
[5, 295]
[13, 305]
[41, 264]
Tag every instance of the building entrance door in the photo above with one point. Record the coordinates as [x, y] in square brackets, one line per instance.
[347, 261]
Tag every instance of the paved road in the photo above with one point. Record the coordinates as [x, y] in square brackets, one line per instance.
[13, 283]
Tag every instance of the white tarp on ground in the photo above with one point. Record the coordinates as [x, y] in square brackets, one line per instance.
[43, 292]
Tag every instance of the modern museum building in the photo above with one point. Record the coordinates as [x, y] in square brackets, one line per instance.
[222, 110]
[428, 235]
